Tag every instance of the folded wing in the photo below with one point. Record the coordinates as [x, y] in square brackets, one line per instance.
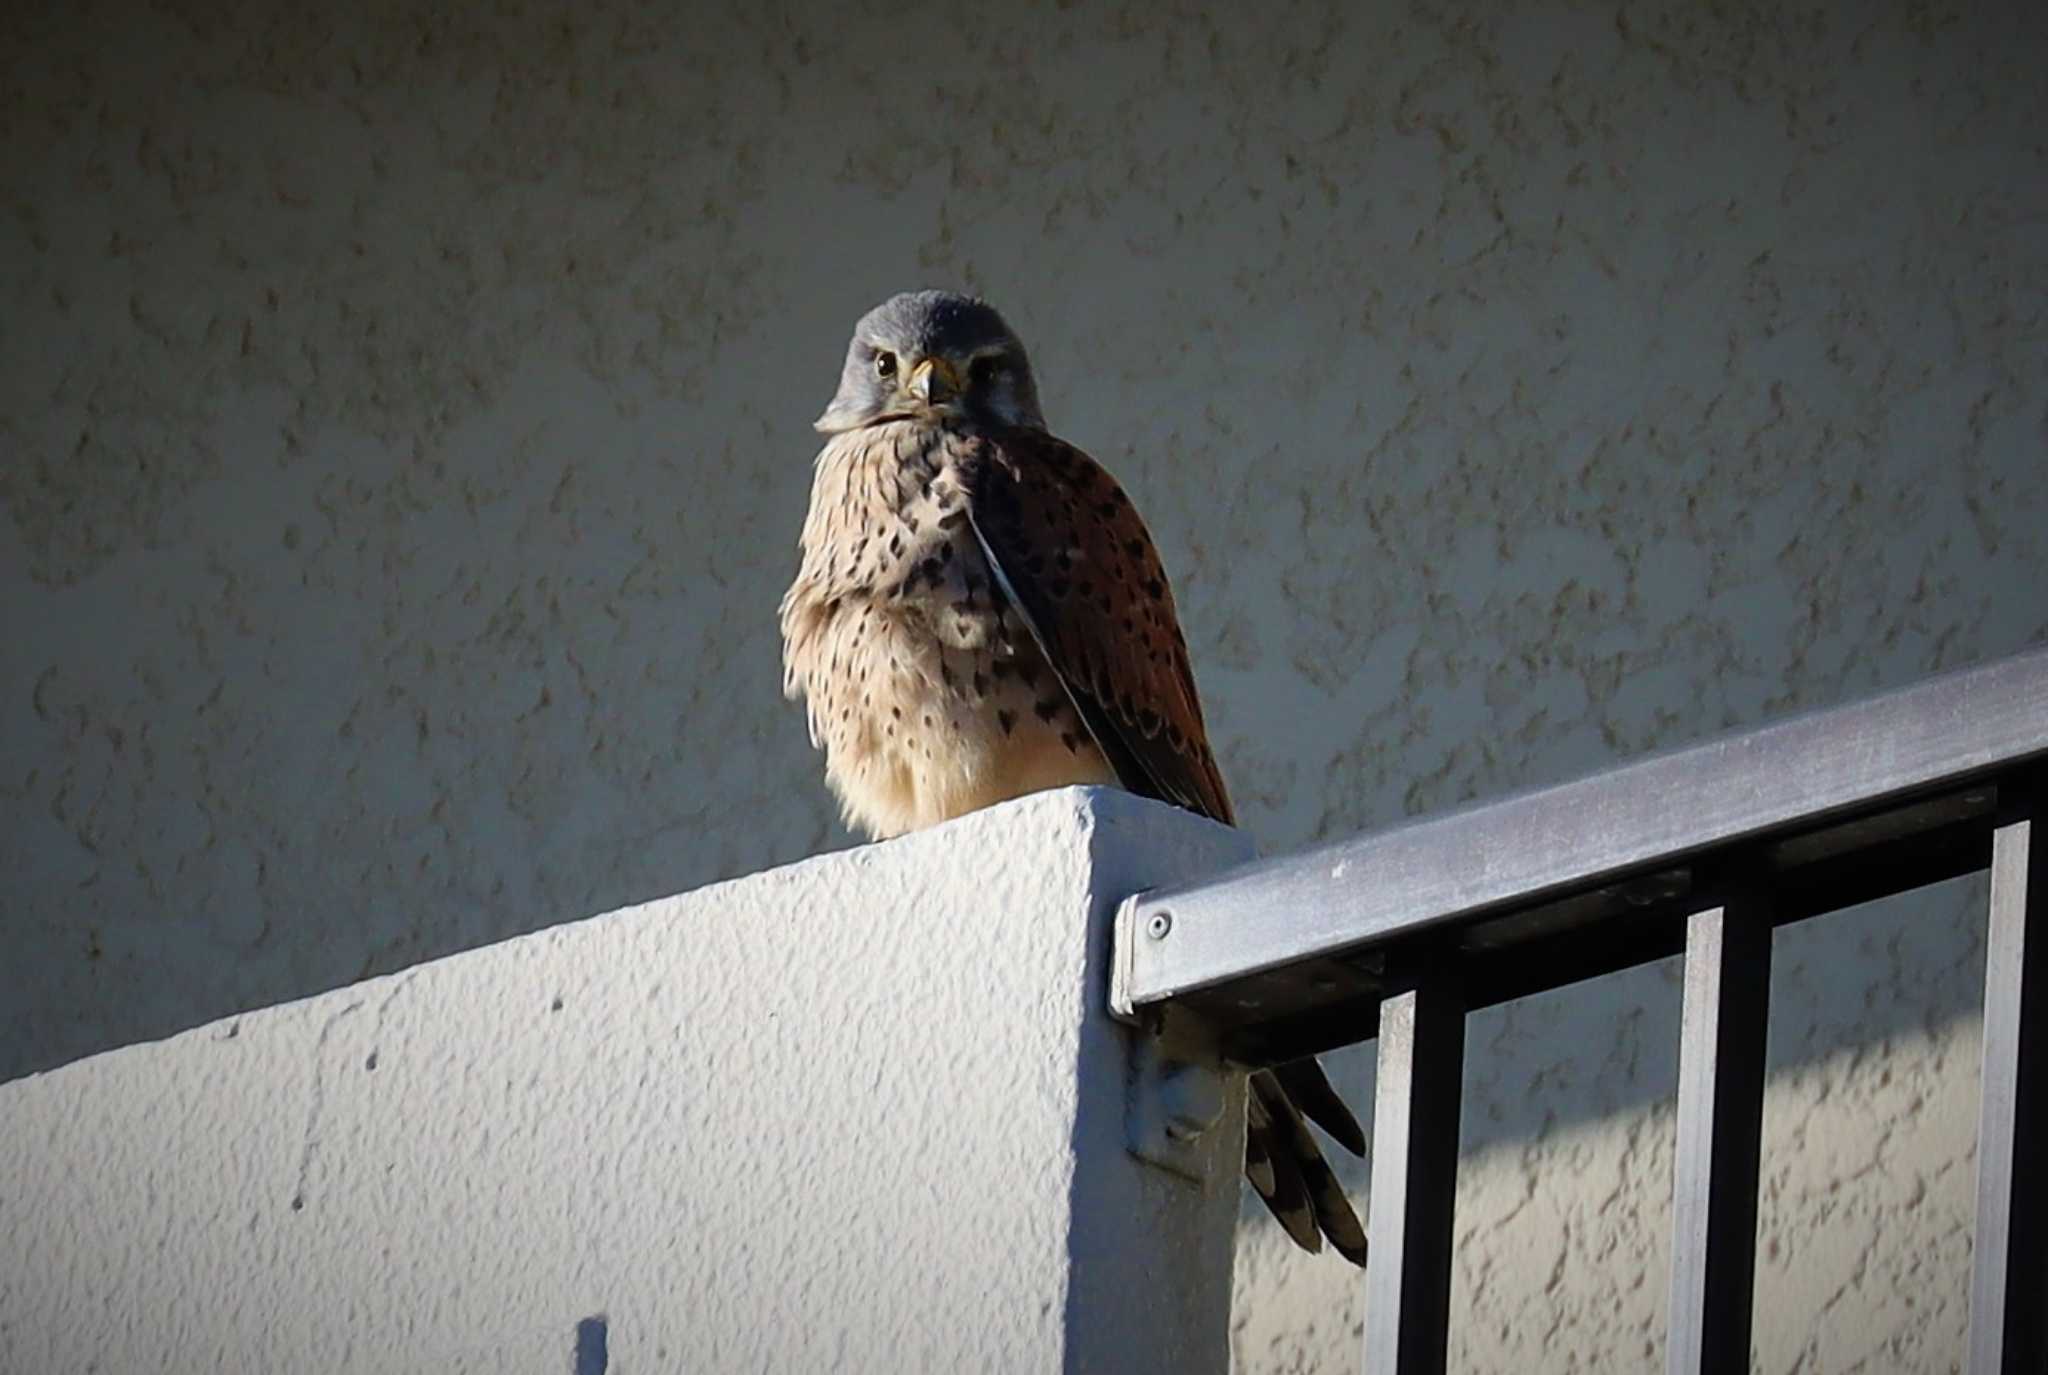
[1071, 554]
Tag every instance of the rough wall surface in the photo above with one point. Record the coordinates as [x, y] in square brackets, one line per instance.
[405, 430]
[613, 1133]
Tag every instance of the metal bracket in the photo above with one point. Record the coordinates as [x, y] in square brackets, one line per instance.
[1176, 1101]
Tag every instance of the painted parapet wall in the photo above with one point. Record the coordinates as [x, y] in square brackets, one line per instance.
[861, 1113]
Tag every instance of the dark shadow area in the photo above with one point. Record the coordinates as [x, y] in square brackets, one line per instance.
[1108, 1204]
[591, 1354]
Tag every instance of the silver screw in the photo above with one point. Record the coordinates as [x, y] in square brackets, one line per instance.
[1158, 924]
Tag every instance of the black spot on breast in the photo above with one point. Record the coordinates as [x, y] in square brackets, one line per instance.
[1071, 741]
[1135, 548]
[1155, 589]
[1007, 720]
[1046, 709]
[980, 683]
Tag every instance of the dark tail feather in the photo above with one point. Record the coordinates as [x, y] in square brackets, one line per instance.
[1269, 1165]
[1309, 1089]
[1306, 1198]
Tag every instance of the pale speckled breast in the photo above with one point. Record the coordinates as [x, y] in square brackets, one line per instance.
[923, 686]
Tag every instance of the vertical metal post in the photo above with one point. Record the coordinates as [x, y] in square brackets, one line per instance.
[2009, 1280]
[1414, 1179]
[1720, 1124]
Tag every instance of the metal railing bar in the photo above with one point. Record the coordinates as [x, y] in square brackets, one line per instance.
[1414, 1178]
[1722, 1032]
[2009, 1279]
[1630, 939]
[1315, 1006]
[1796, 774]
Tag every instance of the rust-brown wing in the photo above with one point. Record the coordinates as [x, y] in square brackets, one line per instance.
[1075, 560]
[1068, 549]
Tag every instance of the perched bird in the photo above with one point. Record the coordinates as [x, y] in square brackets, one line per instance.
[979, 614]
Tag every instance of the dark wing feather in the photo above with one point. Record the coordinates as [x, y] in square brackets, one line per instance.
[1285, 1138]
[1270, 1166]
[1071, 553]
[1310, 1090]
[1073, 557]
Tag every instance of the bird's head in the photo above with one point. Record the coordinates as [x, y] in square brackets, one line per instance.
[933, 355]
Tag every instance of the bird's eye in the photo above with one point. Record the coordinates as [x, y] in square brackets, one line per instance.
[885, 364]
[981, 370]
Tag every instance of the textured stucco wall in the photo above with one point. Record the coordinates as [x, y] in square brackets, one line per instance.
[405, 430]
[625, 1123]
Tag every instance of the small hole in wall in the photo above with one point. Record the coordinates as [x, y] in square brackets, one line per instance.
[298, 1203]
[371, 1062]
[555, 1006]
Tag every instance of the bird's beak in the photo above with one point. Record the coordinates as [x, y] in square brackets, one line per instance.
[933, 381]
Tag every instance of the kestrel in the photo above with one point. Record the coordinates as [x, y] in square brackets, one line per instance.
[979, 613]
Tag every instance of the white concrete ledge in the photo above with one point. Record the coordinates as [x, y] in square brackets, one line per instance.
[862, 1113]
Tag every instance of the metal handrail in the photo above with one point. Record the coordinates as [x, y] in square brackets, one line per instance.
[1398, 935]
[1280, 954]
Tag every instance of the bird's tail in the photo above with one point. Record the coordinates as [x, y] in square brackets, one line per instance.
[1284, 1164]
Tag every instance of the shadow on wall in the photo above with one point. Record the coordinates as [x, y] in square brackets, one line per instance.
[592, 1357]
